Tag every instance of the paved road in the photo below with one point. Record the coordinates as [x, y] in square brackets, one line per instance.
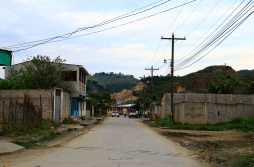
[118, 142]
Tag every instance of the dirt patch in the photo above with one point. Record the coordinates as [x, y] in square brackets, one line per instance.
[218, 148]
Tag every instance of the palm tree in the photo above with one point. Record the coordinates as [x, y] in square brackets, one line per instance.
[227, 88]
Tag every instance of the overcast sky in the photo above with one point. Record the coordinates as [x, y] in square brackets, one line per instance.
[131, 48]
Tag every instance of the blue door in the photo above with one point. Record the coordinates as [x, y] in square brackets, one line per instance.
[74, 107]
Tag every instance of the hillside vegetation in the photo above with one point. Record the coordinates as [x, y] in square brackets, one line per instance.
[197, 82]
[110, 82]
[245, 72]
[200, 81]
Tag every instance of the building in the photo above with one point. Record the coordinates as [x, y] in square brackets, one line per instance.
[77, 81]
[120, 108]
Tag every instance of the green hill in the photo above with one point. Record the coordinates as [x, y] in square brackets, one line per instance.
[110, 82]
[245, 72]
[200, 81]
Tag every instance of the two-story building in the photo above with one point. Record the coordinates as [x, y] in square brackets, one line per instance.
[77, 92]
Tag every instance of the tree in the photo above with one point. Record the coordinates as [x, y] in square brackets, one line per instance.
[251, 87]
[39, 72]
[227, 88]
[101, 101]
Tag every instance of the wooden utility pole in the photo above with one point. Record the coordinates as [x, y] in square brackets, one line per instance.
[152, 69]
[144, 101]
[173, 40]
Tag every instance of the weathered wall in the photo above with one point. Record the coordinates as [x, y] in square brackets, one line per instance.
[65, 107]
[47, 99]
[207, 108]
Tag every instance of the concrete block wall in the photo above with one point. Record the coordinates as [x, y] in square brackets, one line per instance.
[207, 108]
[47, 99]
[5, 95]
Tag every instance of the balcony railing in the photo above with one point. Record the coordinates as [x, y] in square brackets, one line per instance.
[82, 87]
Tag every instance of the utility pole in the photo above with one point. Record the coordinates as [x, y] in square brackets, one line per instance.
[144, 92]
[140, 93]
[144, 101]
[173, 40]
[152, 69]
[131, 97]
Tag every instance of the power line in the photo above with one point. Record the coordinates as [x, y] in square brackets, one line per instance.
[210, 29]
[100, 24]
[188, 16]
[108, 28]
[177, 29]
[174, 20]
[221, 41]
[204, 18]
[217, 36]
[226, 32]
[163, 34]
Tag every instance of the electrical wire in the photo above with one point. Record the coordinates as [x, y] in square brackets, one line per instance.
[164, 34]
[203, 19]
[110, 27]
[210, 29]
[188, 16]
[178, 28]
[226, 30]
[100, 24]
[221, 41]
[233, 19]
[174, 20]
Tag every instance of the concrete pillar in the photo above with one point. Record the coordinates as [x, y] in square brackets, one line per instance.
[205, 113]
[183, 113]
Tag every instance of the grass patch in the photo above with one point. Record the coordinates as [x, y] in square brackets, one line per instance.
[68, 121]
[238, 123]
[31, 143]
[21, 131]
[246, 161]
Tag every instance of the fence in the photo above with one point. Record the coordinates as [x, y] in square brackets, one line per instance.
[23, 115]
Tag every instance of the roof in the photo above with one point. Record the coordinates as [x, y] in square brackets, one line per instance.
[122, 105]
[80, 66]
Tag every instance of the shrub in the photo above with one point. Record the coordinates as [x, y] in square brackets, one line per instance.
[237, 120]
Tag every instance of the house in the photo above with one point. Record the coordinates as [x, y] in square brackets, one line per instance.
[77, 81]
[120, 108]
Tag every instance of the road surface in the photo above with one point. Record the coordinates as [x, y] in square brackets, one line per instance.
[118, 142]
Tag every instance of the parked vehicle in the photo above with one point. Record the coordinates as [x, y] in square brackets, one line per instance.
[132, 113]
[115, 113]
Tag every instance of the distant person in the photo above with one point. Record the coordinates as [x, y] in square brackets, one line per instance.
[145, 114]
[124, 114]
[137, 114]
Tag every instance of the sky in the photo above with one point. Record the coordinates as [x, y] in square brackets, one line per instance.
[130, 48]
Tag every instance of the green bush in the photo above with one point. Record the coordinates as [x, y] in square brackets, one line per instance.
[68, 121]
[237, 120]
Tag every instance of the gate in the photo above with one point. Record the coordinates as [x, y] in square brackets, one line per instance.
[57, 105]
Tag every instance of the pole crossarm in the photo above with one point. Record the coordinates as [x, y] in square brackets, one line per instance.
[174, 38]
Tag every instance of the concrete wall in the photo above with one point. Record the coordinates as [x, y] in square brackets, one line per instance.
[47, 98]
[207, 108]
